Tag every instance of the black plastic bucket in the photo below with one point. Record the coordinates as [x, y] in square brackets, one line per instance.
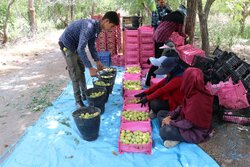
[89, 128]
[97, 101]
[107, 77]
[108, 87]
[112, 70]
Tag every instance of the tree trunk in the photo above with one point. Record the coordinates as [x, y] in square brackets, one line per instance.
[244, 13]
[190, 20]
[242, 25]
[93, 9]
[5, 23]
[71, 9]
[32, 18]
[203, 16]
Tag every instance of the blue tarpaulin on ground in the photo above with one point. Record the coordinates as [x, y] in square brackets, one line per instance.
[54, 140]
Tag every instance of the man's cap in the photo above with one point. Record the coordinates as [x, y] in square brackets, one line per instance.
[157, 61]
[182, 9]
[167, 66]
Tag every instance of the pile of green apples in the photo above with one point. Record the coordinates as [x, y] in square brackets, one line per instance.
[135, 115]
[136, 137]
[133, 70]
[132, 85]
[106, 76]
[108, 69]
[133, 101]
[96, 94]
[88, 115]
[101, 83]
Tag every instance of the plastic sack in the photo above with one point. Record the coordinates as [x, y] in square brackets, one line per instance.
[233, 96]
[177, 39]
[214, 88]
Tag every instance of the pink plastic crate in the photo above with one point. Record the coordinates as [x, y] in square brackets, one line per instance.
[128, 76]
[145, 40]
[132, 47]
[145, 65]
[130, 100]
[147, 47]
[188, 52]
[148, 53]
[132, 53]
[131, 40]
[132, 92]
[131, 33]
[146, 31]
[134, 108]
[136, 148]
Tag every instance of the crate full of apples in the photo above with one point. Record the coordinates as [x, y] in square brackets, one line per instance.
[135, 137]
[135, 113]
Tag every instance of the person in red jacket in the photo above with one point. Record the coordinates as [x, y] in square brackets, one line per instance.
[166, 94]
[190, 122]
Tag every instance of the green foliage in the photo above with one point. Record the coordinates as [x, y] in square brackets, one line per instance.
[219, 7]
[3, 7]
[246, 33]
[223, 33]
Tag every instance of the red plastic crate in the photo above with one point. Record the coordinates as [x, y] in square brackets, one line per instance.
[136, 148]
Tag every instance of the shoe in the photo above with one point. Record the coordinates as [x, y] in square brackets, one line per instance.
[152, 115]
[170, 143]
[80, 104]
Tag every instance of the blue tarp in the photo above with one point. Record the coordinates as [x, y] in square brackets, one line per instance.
[54, 140]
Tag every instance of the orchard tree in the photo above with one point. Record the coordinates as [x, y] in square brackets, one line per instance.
[203, 13]
[190, 20]
[240, 10]
[7, 15]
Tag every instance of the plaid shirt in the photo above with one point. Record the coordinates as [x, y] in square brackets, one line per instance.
[78, 35]
[165, 29]
[159, 14]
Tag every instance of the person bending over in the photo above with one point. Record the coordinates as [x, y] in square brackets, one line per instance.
[73, 42]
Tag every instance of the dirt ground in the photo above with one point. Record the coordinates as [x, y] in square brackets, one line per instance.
[32, 75]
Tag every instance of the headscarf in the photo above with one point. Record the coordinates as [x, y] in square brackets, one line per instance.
[198, 102]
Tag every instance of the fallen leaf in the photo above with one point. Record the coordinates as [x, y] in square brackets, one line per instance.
[114, 153]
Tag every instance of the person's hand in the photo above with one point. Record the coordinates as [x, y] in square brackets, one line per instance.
[140, 95]
[143, 102]
[166, 121]
[99, 65]
[93, 72]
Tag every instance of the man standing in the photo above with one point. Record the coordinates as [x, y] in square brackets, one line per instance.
[73, 42]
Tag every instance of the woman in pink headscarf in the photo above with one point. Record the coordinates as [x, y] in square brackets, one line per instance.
[190, 122]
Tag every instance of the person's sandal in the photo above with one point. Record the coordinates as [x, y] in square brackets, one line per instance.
[170, 143]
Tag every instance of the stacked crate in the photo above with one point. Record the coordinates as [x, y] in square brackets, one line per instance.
[109, 40]
[131, 47]
[146, 43]
[101, 43]
[112, 41]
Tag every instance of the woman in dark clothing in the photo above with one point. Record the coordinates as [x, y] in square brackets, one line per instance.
[170, 23]
[190, 122]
